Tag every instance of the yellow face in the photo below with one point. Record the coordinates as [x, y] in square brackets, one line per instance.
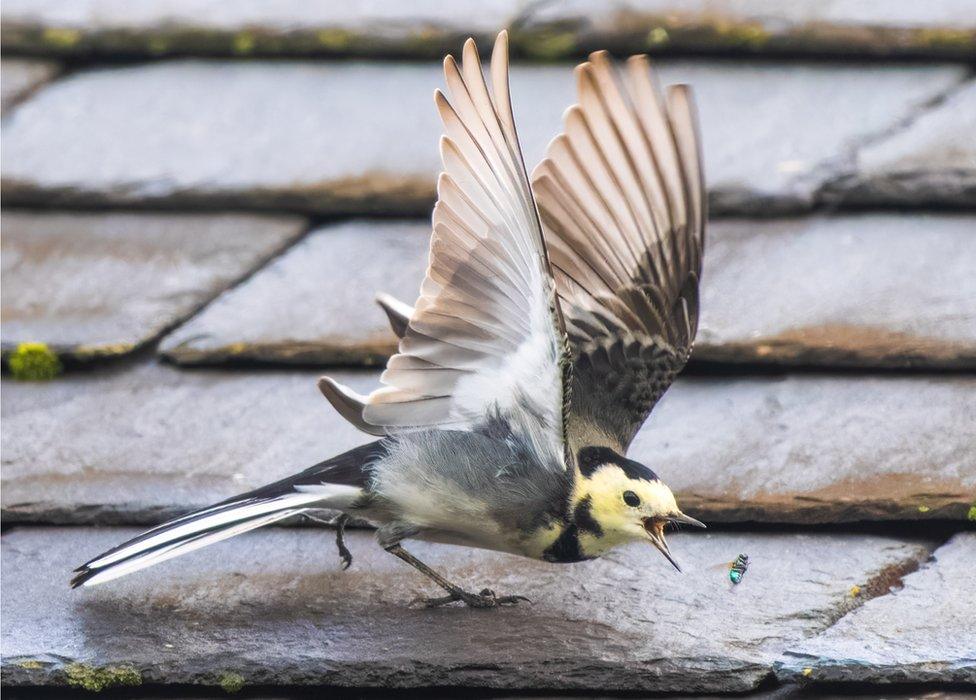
[627, 509]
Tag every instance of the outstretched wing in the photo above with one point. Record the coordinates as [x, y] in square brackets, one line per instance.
[622, 202]
[485, 340]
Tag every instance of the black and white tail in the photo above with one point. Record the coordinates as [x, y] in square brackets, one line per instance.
[336, 483]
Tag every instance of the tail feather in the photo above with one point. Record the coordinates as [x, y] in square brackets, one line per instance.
[180, 537]
[315, 487]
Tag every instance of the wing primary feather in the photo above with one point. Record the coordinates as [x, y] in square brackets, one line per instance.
[621, 198]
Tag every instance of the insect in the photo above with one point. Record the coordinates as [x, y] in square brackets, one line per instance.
[736, 568]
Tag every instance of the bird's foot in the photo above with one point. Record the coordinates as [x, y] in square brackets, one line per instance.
[345, 557]
[485, 599]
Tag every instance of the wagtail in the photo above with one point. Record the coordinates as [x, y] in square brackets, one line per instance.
[555, 312]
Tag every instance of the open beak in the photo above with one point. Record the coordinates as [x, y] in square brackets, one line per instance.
[655, 532]
[686, 520]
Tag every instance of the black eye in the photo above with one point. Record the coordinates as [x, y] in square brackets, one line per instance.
[631, 499]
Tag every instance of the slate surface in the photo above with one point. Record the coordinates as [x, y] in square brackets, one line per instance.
[314, 304]
[424, 28]
[922, 633]
[544, 30]
[93, 285]
[139, 445]
[361, 137]
[867, 290]
[274, 607]
[846, 27]
[20, 76]
[932, 160]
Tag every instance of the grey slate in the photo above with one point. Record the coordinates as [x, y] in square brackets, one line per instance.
[871, 290]
[315, 304]
[940, 28]
[141, 444]
[93, 285]
[21, 76]
[273, 607]
[922, 633]
[866, 290]
[362, 137]
[424, 28]
[932, 160]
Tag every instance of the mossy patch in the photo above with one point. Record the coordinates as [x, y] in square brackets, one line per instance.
[746, 35]
[98, 678]
[157, 45]
[550, 45]
[34, 362]
[946, 38]
[31, 664]
[243, 43]
[334, 39]
[971, 515]
[231, 682]
[658, 36]
[60, 37]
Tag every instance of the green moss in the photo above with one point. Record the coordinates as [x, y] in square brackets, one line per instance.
[244, 43]
[948, 38]
[98, 678]
[971, 515]
[61, 38]
[658, 36]
[231, 682]
[550, 45]
[158, 45]
[31, 664]
[752, 36]
[334, 39]
[34, 362]
[924, 509]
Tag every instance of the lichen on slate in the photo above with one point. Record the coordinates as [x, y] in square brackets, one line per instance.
[98, 678]
[34, 362]
[231, 682]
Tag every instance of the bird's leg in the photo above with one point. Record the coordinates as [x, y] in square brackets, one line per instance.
[485, 599]
[345, 556]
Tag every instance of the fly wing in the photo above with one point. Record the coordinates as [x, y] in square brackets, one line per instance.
[621, 198]
[485, 339]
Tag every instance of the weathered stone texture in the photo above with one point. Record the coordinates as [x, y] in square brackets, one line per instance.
[932, 160]
[922, 633]
[361, 137]
[94, 285]
[943, 28]
[19, 77]
[421, 28]
[870, 290]
[274, 607]
[315, 303]
[144, 444]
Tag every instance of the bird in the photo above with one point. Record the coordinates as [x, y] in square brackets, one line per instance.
[555, 311]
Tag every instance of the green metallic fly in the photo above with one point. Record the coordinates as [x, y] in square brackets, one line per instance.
[736, 568]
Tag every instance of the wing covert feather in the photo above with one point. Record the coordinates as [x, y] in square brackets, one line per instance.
[485, 340]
